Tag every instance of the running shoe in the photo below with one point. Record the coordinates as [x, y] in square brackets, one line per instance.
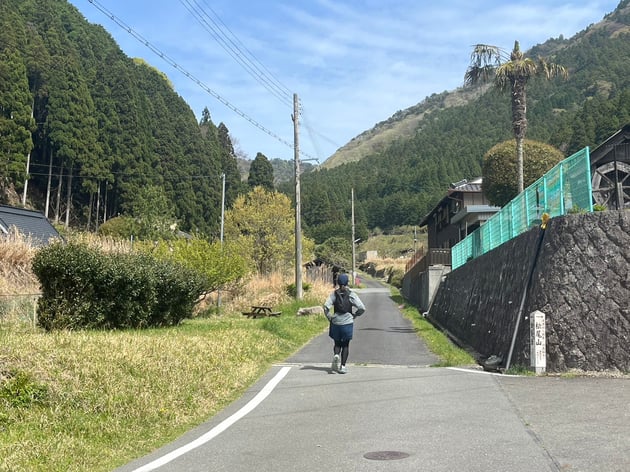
[335, 363]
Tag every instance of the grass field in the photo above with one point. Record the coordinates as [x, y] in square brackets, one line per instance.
[94, 400]
[89, 401]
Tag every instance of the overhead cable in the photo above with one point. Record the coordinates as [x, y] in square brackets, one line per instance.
[176, 66]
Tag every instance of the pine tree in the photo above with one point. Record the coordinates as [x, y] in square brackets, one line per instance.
[229, 166]
[261, 173]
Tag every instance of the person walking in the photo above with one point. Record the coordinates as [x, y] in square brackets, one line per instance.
[341, 308]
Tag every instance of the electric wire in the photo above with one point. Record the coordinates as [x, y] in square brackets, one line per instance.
[273, 78]
[235, 51]
[177, 67]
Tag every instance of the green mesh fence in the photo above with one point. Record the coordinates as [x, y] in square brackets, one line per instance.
[565, 188]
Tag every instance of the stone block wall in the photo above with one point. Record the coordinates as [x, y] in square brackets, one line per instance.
[580, 278]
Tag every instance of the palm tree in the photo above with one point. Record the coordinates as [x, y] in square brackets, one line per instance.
[490, 64]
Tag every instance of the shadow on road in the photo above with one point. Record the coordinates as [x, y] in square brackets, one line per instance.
[391, 329]
[314, 367]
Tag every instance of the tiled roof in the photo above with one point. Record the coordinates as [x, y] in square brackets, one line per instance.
[29, 223]
[463, 186]
[467, 187]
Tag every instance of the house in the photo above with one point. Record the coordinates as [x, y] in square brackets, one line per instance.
[610, 170]
[30, 223]
[459, 213]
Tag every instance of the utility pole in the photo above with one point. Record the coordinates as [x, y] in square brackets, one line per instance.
[354, 276]
[298, 222]
[221, 234]
[415, 238]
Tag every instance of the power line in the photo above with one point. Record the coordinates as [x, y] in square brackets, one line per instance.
[280, 84]
[233, 49]
[176, 66]
[113, 173]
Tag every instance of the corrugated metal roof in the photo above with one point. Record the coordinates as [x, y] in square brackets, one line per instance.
[29, 223]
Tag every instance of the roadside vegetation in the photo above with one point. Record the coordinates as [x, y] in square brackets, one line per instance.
[93, 400]
[436, 340]
[76, 400]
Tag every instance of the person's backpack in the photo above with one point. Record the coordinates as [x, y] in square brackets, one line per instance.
[342, 301]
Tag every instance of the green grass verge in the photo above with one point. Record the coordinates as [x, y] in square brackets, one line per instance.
[437, 342]
[94, 400]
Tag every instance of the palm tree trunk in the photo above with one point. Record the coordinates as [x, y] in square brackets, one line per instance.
[519, 163]
[519, 125]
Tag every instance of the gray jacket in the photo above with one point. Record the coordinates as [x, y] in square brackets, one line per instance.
[343, 318]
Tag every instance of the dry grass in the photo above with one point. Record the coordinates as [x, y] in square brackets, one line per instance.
[95, 400]
[106, 244]
[114, 395]
[389, 263]
[16, 255]
[271, 291]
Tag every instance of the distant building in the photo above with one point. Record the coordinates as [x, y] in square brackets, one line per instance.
[368, 255]
[459, 213]
[29, 223]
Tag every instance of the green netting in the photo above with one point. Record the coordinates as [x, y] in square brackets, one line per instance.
[565, 188]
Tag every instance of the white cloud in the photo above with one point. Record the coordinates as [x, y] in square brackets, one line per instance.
[352, 62]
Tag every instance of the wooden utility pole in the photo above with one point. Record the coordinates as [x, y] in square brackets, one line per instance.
[298, 222]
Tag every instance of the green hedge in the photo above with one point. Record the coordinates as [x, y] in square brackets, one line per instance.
[86, 288]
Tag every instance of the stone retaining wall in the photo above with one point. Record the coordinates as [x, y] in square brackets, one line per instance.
[580, 278]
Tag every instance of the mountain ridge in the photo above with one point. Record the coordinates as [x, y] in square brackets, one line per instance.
[404, 123]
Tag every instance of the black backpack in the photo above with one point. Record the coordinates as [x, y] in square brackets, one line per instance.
[342, 301]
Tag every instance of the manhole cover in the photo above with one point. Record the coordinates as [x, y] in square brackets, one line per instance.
[385, 455]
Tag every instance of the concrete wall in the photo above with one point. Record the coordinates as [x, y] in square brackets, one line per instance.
[420, 286]
[580, 280]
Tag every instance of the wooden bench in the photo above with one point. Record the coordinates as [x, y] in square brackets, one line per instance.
[260, 312]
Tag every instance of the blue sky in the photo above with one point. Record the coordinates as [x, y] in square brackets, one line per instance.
[353, 63]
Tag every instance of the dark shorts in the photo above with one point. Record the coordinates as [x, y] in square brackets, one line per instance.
[340, 333]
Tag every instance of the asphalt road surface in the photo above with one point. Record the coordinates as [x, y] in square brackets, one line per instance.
[393, 412]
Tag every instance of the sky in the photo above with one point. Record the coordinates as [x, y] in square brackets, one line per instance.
[351, 63]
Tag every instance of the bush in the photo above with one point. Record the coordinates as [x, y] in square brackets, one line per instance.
[291, 289]
[21, 390]
[396, 277]
[119, 227]
[85, 288]
[500, 171]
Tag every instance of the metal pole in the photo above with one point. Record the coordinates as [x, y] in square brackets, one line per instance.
[221, 234]
[298, 222]
[528, 282]
[354, 276]
[415, 238]
[222, 205]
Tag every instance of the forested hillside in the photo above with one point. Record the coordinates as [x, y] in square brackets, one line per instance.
[102, 134]
[400, 179]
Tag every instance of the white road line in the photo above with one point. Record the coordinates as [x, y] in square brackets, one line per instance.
[475, 371]
[218, 429]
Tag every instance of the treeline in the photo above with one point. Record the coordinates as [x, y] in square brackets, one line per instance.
[401, 183]
[105, 135]
[102, 134]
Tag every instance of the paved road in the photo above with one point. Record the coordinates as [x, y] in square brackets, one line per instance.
[392, 412]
